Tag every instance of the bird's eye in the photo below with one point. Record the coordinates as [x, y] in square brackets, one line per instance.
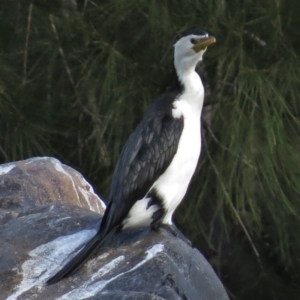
[193, 41]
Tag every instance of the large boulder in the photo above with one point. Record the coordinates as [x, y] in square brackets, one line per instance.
[48, 212]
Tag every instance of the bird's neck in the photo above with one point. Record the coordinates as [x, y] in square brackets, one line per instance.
[192, 87]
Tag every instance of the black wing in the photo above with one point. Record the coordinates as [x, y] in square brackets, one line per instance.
[146, 155]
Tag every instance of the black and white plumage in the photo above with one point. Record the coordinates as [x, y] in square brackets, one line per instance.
[159, 158]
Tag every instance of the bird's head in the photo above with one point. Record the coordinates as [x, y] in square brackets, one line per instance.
[189, 49]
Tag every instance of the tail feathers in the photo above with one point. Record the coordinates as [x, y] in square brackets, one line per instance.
[80, 258]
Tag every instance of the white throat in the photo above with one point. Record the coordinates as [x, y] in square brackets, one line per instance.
[193, 93]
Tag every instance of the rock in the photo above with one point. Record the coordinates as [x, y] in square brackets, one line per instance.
[42, 180]
[40, 234]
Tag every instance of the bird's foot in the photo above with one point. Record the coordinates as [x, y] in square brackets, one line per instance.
[176, 232]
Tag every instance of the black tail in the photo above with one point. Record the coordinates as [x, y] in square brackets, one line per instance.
[80, 258]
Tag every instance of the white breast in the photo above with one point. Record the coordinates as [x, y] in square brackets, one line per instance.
[173, 184]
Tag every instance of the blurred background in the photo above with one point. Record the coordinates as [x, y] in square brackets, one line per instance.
[76, 78]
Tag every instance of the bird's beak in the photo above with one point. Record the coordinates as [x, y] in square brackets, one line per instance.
[202, 43]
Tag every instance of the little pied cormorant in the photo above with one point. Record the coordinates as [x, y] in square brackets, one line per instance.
[157, 162]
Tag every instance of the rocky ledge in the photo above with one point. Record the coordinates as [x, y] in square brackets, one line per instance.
[48, 212]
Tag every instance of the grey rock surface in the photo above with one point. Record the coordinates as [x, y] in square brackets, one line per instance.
[37, 239]
[42, 180]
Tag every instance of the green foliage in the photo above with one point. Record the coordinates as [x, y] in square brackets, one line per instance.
[75, 81]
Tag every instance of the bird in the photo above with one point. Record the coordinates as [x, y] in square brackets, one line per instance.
[158, 160]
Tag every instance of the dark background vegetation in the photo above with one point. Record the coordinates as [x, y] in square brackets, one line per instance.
[77, 76]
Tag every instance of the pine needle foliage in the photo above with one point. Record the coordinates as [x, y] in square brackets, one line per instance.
[76, 78]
